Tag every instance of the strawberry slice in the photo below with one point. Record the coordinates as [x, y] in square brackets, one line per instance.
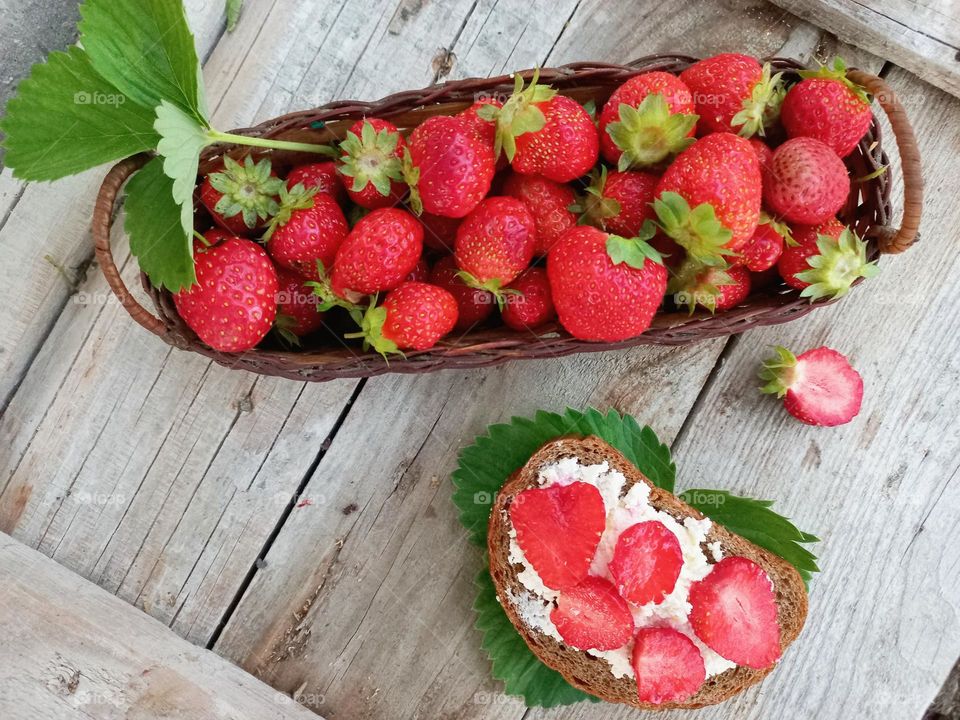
[733, 611]
[558, 529]
[646, 562]
[668, 666]
[593, 616]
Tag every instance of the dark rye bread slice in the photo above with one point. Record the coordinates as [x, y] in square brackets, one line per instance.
[591, 674]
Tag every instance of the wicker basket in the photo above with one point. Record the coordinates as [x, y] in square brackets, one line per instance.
[867, 211]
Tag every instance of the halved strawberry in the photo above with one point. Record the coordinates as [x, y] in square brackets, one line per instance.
[819, 387]
[667, 665]
[734, 612]
[558, 529]
[646, 562]
[593, 616]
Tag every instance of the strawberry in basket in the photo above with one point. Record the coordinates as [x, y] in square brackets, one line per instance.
[371, 163]
[241, 198]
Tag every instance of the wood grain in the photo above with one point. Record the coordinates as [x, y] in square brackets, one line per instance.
[72, 650]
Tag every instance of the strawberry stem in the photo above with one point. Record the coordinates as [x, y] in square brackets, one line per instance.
[326, 150]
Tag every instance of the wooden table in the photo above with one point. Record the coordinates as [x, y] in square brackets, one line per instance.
[306, 532]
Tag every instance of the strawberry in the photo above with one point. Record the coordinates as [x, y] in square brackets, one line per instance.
[297, 313]
[414, 316]
[806, 182]
[593, 616]
[308, 228]
[825, 260]
[648, 119]
[234, 303]
[763, 151]
[370, 163]
[530, 304]
[605, 287]
[765, 247]
[421, 273]
[241, 198]
[818, 387]
[381, 250]
[448, 166]
[495, 243]
[548, 201]
[734, 612]
[709, 286]
[322, 176]
[620, 202]
[667, 665]
[439, 233]
[646, 562]
[827, 106]
[708, 200]
[474, 305]
[734, 93]
[558, 530]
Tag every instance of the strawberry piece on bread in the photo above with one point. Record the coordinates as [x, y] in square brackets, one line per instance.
[646, 562]
[593, 616]
[668, 666]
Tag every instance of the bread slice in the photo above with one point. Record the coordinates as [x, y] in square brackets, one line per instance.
[592, 674]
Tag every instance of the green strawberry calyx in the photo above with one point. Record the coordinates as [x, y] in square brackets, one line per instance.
[839, 73]
[371, 159]
[762, 108]
[411, 176]
[635, 251]
[697, 284]
[779, 227]
[494, 286]
[248, 190]
[838, 265]
[283, 326]
[697, 229]
[649, 133]
[778, 372]
[593, 207]
[323, 289]
[371, 325]
[519, 114]
[297, 198]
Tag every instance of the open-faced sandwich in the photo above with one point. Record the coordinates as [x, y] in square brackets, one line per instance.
[632, 595]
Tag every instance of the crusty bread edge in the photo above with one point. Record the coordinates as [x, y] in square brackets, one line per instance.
[592, 674]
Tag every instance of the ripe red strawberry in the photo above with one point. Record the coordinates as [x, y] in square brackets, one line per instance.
[448, 166]
[667, 665]
[620, 202]
[322, 176]
[381, 250]
[734, 93]
[371, 165]
[234, 303]
[421, 273]
[825, 260]
[495, 243]
[592, 616]
[474, 305]
[805, 182]
[763, 151]
[605, 288]
[827, 106]
[734, 612]
[558, 530]
[308, 228]
[549, 203]
[818, 387]
[439, 233]
[711, 287]
[414, 316]
[531, 305]
[485, 127]
[241, 198]
[709, 198]
[646, 562]
[565, 148]
[764, 249]
[647, 119]
[297, 313]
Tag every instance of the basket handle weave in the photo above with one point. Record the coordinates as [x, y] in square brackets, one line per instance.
[892, 241]
[102, 220]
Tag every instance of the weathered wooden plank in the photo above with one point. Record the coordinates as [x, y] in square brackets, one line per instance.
[53, 219]
[72, 650]
[923, 37]
[377, 578]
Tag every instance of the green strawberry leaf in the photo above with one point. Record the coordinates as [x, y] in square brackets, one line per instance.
[181, 140]
[233, 10]
[155, 227]
[485, 465]
[146, 50]
[512, 661]
[66, 119]
[634, 251]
